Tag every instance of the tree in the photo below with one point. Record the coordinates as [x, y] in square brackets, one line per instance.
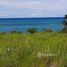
[65, 24]
[65, 21]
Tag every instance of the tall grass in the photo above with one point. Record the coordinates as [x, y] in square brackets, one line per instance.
[21, 49]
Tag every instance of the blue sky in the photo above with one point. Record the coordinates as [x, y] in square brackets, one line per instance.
[32, 8]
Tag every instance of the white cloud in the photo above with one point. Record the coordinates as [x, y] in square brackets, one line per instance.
[34, 7]
[3, 15]
[60, 4]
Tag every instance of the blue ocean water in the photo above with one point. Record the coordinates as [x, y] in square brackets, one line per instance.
[22, 24]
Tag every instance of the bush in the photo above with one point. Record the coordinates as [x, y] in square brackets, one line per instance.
[64, 30]
[15, 32]
[64, 23]
[31, 30]
[48, 30]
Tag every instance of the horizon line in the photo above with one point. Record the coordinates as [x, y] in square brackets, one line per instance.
[26, 17]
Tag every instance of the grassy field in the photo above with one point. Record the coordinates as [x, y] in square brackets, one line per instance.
[41, 49]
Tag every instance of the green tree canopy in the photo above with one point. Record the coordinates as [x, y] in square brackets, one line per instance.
[65, 23]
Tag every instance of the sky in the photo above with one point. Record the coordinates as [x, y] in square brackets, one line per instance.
[32, 8]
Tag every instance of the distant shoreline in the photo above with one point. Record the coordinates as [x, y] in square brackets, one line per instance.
[31, 18]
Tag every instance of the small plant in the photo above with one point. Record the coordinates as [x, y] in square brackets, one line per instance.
[31, 30]
[48, 30]
[15, 32]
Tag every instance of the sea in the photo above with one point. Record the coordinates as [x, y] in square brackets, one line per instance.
[22, 24]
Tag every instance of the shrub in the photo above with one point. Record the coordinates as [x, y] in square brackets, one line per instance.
[64, 30]
[31, 30]
[48, 30]
[15, 32]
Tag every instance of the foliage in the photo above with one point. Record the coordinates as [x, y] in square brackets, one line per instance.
[47, 30]
[31, 30]
[15, 31]
[65, 20]
[65, 16]
[64, 30]
[24, 48]
[65, 24]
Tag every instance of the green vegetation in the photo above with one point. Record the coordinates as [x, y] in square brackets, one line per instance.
[23, 49]
[65, 24]
[47, 30]
[31, 30]
[41, 49]
[15, 32]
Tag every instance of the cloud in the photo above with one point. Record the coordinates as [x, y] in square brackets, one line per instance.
[34, 4]
[27, 8]
[3, 15]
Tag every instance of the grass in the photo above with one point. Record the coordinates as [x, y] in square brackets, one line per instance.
[21, 49]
